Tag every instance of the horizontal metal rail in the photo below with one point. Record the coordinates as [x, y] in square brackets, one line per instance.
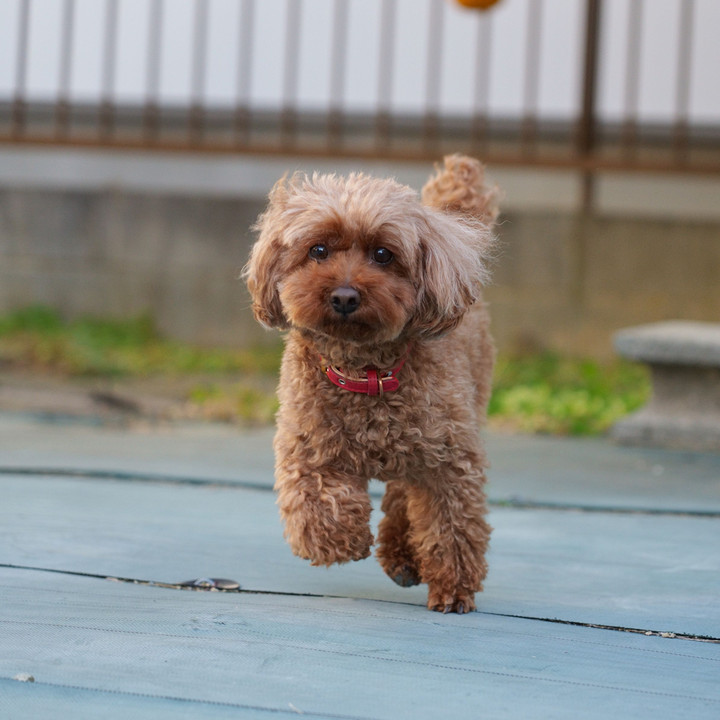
[585, 140]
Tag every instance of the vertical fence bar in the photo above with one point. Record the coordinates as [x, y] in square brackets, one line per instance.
[338, 56]
[431, 121]
[383, 127]
[62, 107]
[196, 115]
[19, 107]
[107, 109]
[628, 140]
[288, 115]
[528, 132]
[481, 99]
[244, 73]
[587, 124]
[588, 145]
[151, 115]
[682, 85]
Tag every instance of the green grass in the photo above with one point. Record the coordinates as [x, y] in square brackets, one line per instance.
[547, 393]
[38, 339]
[542, 393]
[242, 402]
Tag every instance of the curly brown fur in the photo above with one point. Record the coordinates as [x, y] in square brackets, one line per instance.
[319, 242]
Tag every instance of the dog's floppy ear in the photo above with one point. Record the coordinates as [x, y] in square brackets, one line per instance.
[264, 270]
[453, 255]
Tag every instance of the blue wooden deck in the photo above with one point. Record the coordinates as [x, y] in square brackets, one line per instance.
[603, 597]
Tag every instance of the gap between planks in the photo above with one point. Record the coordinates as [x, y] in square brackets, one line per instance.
[249, 591]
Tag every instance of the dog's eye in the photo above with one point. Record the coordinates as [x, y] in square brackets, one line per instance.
[318, 252]
[382, 256]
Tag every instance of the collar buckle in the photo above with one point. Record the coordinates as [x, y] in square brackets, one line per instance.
[375, 382]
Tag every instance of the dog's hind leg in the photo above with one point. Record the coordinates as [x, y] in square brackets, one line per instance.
[395, 551]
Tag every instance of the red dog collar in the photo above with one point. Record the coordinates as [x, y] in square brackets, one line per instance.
[375, 382]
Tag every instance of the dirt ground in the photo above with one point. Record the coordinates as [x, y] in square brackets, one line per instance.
[114, 401]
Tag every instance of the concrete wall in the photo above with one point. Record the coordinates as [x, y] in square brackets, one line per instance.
[567, 282]
[118, 254]
[562, 281]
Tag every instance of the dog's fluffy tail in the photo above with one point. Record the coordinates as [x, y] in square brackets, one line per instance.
[460, 187]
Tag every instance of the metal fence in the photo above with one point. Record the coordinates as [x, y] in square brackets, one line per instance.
[583, 138]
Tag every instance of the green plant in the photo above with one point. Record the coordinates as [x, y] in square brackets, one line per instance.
[39, 339]
[552, 394]
[245, 402]
[37, 318]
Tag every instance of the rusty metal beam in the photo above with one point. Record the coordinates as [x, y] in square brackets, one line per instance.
[588, 164]
[587, 125]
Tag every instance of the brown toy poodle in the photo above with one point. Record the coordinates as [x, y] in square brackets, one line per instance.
[386, 372]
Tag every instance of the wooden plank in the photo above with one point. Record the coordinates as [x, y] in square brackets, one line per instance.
[91, 643]
[658, 573]
[584, 473]
[110, 649]
[595, 473]
[206, 451]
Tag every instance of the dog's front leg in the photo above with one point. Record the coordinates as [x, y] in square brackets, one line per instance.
[450, 536]
[326, 512]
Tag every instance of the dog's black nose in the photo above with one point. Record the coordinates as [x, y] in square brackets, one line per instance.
[345, 300]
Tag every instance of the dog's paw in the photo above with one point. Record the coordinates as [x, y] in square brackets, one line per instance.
[404, 575]
[402, 571]
[395, 555]
[396, 558]
[325, 541]
[331, 549]
[327, 526]
[456, 601]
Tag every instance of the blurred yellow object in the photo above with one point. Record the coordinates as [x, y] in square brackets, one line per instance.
[478, 4]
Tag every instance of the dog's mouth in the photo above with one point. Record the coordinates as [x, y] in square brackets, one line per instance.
[351, 327]
[363, 326]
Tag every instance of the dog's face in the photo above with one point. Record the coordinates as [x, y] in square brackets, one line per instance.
[351, 282]
[361, 260]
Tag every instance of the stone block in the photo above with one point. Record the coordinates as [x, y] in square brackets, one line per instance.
[684, 410]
